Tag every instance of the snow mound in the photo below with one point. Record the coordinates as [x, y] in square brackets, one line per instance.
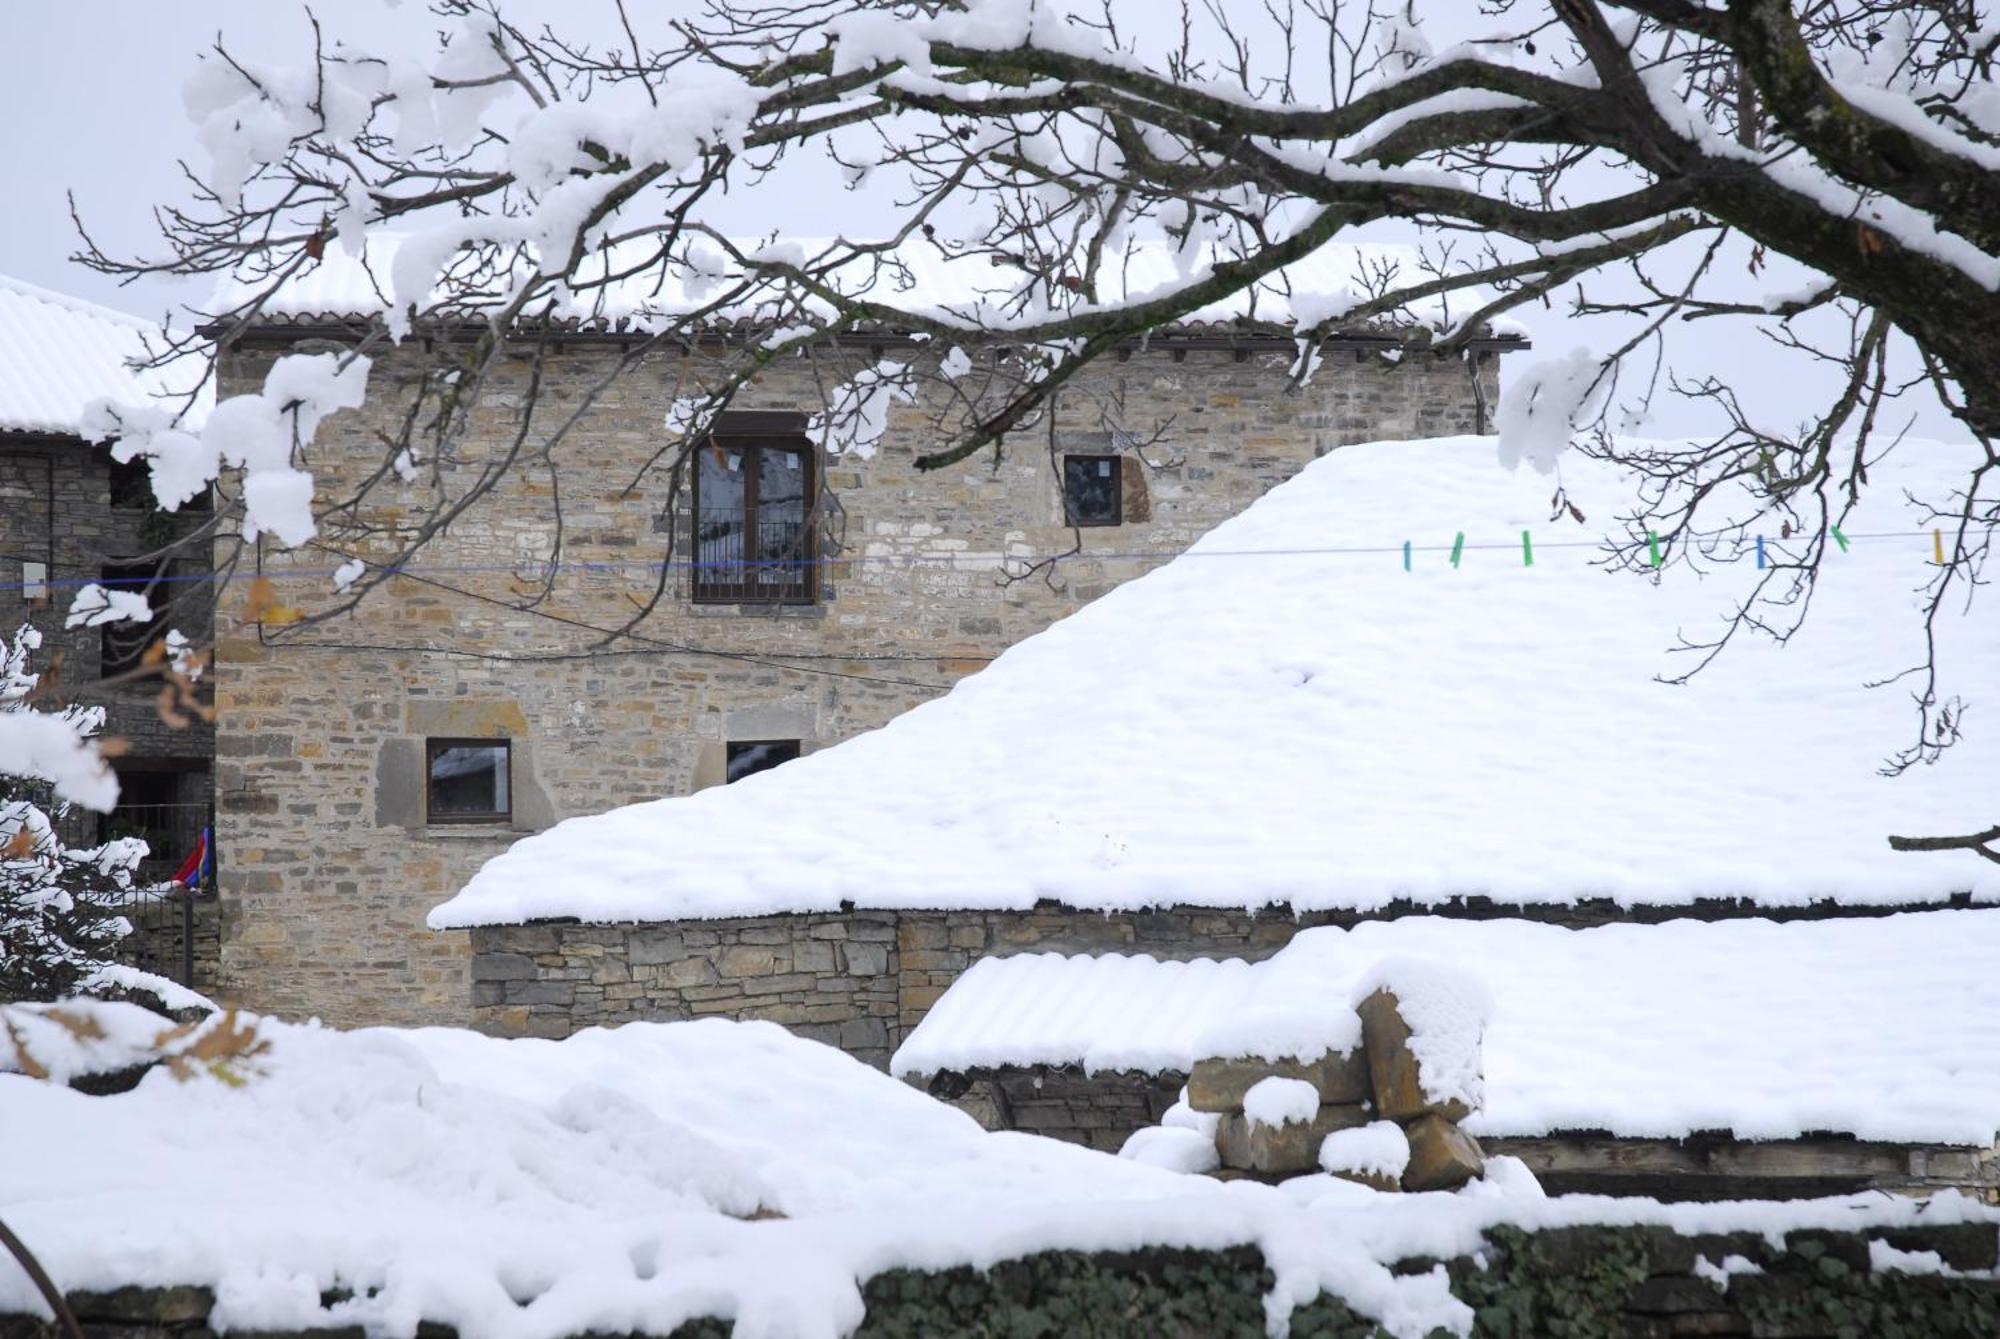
[1346, 734]
[1280, 1101]
[1379, 1148]
[625, 1181]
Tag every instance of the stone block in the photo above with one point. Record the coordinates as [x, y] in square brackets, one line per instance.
[812, 956]
[540, 992]
[1219, 1085]
[863, 959]
[652, 948]
[689, 973]
[503, 967]
[747, 960]
[864, 1034]
[1442, 1156]
[1393, 1071]
[1282, 1150]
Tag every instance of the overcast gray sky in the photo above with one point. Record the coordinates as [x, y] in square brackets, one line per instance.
[90, 91]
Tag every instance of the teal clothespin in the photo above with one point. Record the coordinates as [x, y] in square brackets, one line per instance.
[1406, 555]
[1653, 542]
[1840, 539]
[1458, 548]
[1527, 550]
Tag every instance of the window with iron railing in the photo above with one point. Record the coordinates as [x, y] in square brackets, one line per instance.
[754, 540]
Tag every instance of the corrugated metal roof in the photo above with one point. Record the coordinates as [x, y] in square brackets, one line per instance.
[59, 353]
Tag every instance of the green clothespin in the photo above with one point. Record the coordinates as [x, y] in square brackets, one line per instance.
[1458, 548]
[1653, 542]
[1527, 550]
[1840, 539]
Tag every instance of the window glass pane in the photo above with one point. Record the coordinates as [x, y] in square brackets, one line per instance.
[781, 517]
[469, 779]
[718, 528]
[1090, 489]
[751, 756]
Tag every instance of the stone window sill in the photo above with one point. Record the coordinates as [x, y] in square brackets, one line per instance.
[469, 832]
[806, 611]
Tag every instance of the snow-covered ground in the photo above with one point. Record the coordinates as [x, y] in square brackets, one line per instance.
[1264, 722]
[1883, 1028]
[626, 1180]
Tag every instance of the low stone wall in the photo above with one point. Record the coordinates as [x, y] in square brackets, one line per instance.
[155, 942]
[1641, 1282]
[862, 979]
[1104, 1110]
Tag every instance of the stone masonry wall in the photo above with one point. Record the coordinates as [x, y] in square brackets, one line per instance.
[553, 978]
[330, 864]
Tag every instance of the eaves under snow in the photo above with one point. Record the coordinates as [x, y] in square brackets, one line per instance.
[1883, 1028]
[1285, 716]
[58, 354]
[343, 286]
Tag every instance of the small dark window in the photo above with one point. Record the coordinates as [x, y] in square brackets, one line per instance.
[1091, 489]
[753, 512]
[122, 644]
[759, 755]
[467, 780]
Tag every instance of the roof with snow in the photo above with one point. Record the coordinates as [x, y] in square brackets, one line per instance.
[1881, 1027]
[58, 354]
[1284, 716]
[393, 269]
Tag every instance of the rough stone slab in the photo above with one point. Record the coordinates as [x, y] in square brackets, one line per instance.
[1393, 1071]
[1219, 1085]
[1442, 1156]
[1281, 1149]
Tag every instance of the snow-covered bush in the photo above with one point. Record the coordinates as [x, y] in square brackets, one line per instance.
[58, 903]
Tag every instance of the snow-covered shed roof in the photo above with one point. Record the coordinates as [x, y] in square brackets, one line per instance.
[344, 284]
[59, 353]
[1885, 1028]
[1284, 715]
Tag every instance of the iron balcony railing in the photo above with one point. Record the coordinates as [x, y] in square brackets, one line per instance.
[769, 563]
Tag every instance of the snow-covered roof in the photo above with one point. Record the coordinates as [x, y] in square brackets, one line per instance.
[1884, 1028]
[1267, 721]
[346, 284]
[58, 354]
[625, 1180]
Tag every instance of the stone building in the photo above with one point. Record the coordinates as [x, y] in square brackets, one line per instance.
[70, 516]
[1392, 687]
[367, 766]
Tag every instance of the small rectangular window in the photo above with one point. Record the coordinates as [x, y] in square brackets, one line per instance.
[467, 780]
[758, 755]
[1092, 489]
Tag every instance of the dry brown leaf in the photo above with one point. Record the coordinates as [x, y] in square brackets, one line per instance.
[29, 1065]
[80, 1026]
[20, 844]
[113, 746]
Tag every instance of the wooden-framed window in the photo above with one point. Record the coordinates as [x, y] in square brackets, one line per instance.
[468, 780]
[755, 489]
[1093, 489]
[747, 757]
